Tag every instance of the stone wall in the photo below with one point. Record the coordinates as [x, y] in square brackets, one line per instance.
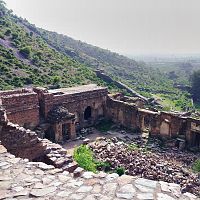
[21, 107]
[125, 114]
[119, 84]
[160, 124]
[25, 143]
[75, 103]
[19, 141]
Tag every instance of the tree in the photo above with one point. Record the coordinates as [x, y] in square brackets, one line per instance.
[195, 78]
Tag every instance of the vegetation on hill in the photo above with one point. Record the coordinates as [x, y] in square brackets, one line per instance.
[33, 56]
[26, 59]
[148, 81]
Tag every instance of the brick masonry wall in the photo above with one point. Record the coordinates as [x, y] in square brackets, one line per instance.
[20, 141]
[25, 143]
[77, 103]
[123, 113]
[162, 124]
[22, 108]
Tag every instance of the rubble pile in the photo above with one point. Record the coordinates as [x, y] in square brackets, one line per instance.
[169, 166]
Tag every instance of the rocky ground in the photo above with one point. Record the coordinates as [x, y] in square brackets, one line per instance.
[172, 165]
[21, 179]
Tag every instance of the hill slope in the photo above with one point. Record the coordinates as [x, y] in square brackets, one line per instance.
[29, 55]
[148, 81]
[136, 75]
[25, 58]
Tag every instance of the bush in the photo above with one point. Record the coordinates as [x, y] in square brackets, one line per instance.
[8, 32]
[84, 157]
[120, 171]
[105, 166]
[196, 166]
[15, 36]
[56, 80]
[26, 51]
[1, 36]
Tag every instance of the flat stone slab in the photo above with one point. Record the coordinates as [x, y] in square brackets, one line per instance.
[42, 192]
[146, 182]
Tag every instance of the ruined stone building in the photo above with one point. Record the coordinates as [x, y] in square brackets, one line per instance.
[62, 112]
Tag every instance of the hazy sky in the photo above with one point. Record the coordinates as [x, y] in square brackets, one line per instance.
[124, 26]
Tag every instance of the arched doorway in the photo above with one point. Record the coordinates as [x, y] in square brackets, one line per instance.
[87, 113]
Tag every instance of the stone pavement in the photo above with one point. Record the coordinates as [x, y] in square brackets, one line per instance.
[21, 179]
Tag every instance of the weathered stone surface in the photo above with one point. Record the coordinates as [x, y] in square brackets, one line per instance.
[88, 175]
[64, 193]
[126, 192]
[42, 192]
[112, 177]
[84, 189]
[145, 196]
[146, 182]
[190, 196]
[63, 178]
[162, 196]
[124, 179]
[21, 193]
[29, 182]
[76, 196]
[77, 172]
[109, 189]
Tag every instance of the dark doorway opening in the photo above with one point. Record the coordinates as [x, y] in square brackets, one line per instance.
[65, 132]
[50, 135]
[197, 140]
[87, 113]
[183, 128]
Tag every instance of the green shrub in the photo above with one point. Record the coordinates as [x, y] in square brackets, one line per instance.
[84, 157]
[8, 32]
[120, 171]
[15, 36]
[25, 51]
[105, 166]
[1, 36]
[56, 80]
[196, 166]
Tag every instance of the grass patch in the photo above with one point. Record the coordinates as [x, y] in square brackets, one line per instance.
[85, 158]
[196, 166]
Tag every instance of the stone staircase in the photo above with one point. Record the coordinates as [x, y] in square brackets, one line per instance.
[57, 156]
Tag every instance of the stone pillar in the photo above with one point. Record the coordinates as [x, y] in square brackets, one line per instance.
[72, 130]
[58, 132]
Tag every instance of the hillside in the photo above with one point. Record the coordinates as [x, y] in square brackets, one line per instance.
[26, 59]
[148, 81]
[136, 75]
[34, 56]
